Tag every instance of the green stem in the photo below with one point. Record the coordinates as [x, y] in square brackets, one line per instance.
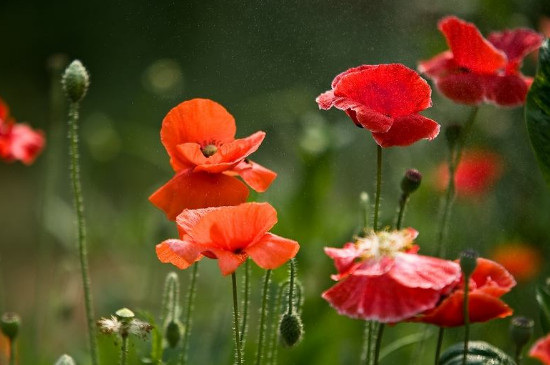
[12, 352]
[466, 314]
[274, 333]
[263, 314]
[455, 154]
[188, 314]
[79, 207]
[402, 205]
[378, 186]
[378, 343]
[439, 344]
[292, 265]
[124, 350]
[246, 301]
[517, 356]
[367, 341]
[238, 356]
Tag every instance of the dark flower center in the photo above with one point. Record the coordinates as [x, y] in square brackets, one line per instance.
[209, 150]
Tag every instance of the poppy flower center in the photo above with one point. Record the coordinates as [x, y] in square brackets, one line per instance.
[209, 150]
[383, 244]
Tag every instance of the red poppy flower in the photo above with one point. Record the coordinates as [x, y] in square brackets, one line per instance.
[229, 234]
[476, 174]
[382, 278]
[476, 69]
[199, 136]
[18, 141]
[541, 350]
[521, 260]
[488, 283]
[385, 99]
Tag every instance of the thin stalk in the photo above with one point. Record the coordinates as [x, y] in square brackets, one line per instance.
[188, 314]
[274, 333]
[455, 154]
[124, 350]
[263, 314]
[246, 301]
[439, 344]
[79, 208]
[378, 343]
[292, 265]
[12, 352]
[238, 356]
[466, 318]
[378, 186]
[401, 213]
[517, 354]
[367, 343]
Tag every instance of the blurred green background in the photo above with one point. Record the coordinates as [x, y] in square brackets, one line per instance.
[265, 61]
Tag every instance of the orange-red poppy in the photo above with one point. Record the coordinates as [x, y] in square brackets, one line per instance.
[521, 260]
[476, 69]
[488, 283]
[230, 234]
[380, 277]
[18, 141]
[541, 350]
[199, 136]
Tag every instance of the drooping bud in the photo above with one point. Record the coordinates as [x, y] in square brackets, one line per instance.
[9, 324]
[468, 261]
[411, 181]
[75, 81]
[290, 329]
[173, 333]
[452, 134]
[521, 330]
[65, 360]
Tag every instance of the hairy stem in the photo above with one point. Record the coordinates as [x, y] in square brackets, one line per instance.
[238, 356]
[189, 312]
[263, 314]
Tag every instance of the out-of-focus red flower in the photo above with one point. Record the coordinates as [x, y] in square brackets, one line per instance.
[541, 350]
[488, 283]
[476, 174]
[229, 234]
[386, 100]
[521, 260]
[199, 136]
[380, 277]
[476, 69]
[18, 141]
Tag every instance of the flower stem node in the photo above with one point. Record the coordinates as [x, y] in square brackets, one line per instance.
[173, 333]
[452, 134]
[291, 329]
[9, 324]
[521, 330]
[468, 261]
[411, 181]
[76, 81]
[65, 360]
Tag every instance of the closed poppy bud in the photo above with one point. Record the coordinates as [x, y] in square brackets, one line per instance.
[452, 134]
[9, 324]
[75, 81]
[65, 360]
[521, 330]
[291, 329]
[173, 333]
[411, 181]
[468, 261]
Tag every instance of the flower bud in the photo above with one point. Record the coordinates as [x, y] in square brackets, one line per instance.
[9, 324]
[411, 181]
[452, 134]
[75, 81]
[521, 330]
[291, 329]
[65, 360]
[173, 333]
[468, 261]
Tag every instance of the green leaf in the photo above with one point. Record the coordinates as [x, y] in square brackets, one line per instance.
[543, 298]
[537, 112]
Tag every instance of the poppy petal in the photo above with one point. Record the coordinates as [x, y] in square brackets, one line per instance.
[201, 121]
[191, 190]
[425, 272]
[516, 43]
[190, 155]
[470, 49]
[492, 278]
[189, 218]
[393, 89]
[541, 350]
[4, 111]
[343, 257]
[182, 254]
[369, 119]
[255, 175]
[379, 298]
[440, 65]
[508, 90]
[325, 100]
[234, 228]
[271, 251]
[465, 88]
[228, 261]
[407, 130]
[25, 143]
